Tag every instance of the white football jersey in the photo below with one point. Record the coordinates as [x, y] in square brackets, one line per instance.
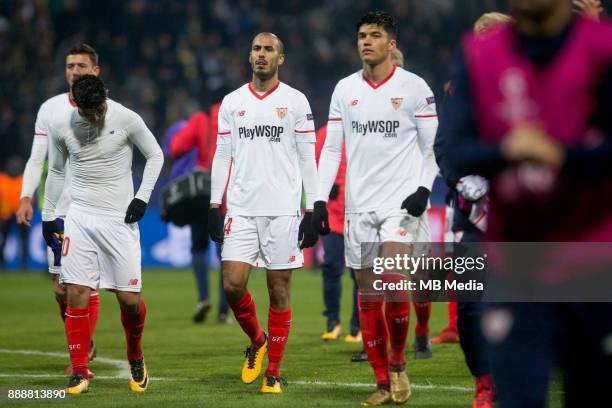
[54, 111]
[263, 131]
[384, 128]
[101, 161]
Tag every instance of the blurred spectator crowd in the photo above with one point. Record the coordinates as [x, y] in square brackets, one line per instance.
[168, 59]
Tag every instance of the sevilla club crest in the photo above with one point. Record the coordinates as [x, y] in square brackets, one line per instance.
[396, 102]
[281, 112]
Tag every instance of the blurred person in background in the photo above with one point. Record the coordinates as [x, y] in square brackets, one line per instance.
[469, 201]
[527, 98]
[191, 144]
[10, 186]
[333, 259]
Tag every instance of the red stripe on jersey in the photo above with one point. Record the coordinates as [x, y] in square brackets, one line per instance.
[223, 133]
[334, 120]
[40, 134]
[381, 83]
[260, 97]
[71, 101]
[305, 131]
[425, 116]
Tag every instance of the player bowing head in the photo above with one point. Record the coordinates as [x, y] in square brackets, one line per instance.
[89, 94]
[376, 37]
[81, 59]
[266, 55]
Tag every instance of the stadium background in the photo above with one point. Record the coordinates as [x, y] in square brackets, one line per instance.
[169, 59]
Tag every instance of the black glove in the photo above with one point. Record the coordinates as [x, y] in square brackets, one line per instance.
[135, 211]
[416, 203]
[335, 191]
[53, 232]
[215, 225]
[307, 236]
[320, 220]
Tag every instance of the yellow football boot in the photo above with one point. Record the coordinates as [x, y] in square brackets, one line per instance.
[77, 385]
[139, 380]
[400, 387]
[271, 385]
[253, 361]
[379, 397]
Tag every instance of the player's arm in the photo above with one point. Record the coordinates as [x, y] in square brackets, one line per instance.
[305, 138]
[329, 163]
[222, 161]
[426, 119]
[53, 231]
[33, 169]
[140, 135]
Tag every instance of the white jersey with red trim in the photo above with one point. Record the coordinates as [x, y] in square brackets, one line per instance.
[388, 129]
[101, 162]
[54, 111]
[264, 131]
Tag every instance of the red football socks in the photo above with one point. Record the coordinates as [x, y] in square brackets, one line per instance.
[133, 326]
[79, 337]
[246, 315]
[279, 324]
[422, 311]
[397, 315]
[375, 338]
[94, 311]
[452, 315]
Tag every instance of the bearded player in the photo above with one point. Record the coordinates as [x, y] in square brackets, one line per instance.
[266, 132]
[81, 59]
[101, 245]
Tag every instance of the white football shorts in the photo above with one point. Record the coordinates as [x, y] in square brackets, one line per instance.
[101, 251]
[385, 225]
[268, 242]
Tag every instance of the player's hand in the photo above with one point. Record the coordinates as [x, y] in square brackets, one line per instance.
[215, 224]
[589, 8]
[53, 232]
[320, 219]
[416, 203]
[529, 142]
[472, 187]
[335, 191]
[307, 236]
[24, 212]
[136, 210]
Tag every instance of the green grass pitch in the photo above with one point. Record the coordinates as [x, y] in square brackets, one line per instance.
[199, 365]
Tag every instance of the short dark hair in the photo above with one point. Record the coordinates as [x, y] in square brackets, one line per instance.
[88, 91]
[380, 18]
[82, 48]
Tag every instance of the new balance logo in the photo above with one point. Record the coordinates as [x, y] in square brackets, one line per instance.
[292, 258]
[133, 282]
[241, 113]
[354, 102]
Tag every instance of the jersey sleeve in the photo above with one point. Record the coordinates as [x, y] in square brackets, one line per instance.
[34, 167]
[304, 123]
[332, 148]
[141, 136]
[426, 119]
[58, 154]
[224, 129]
[425, 107]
